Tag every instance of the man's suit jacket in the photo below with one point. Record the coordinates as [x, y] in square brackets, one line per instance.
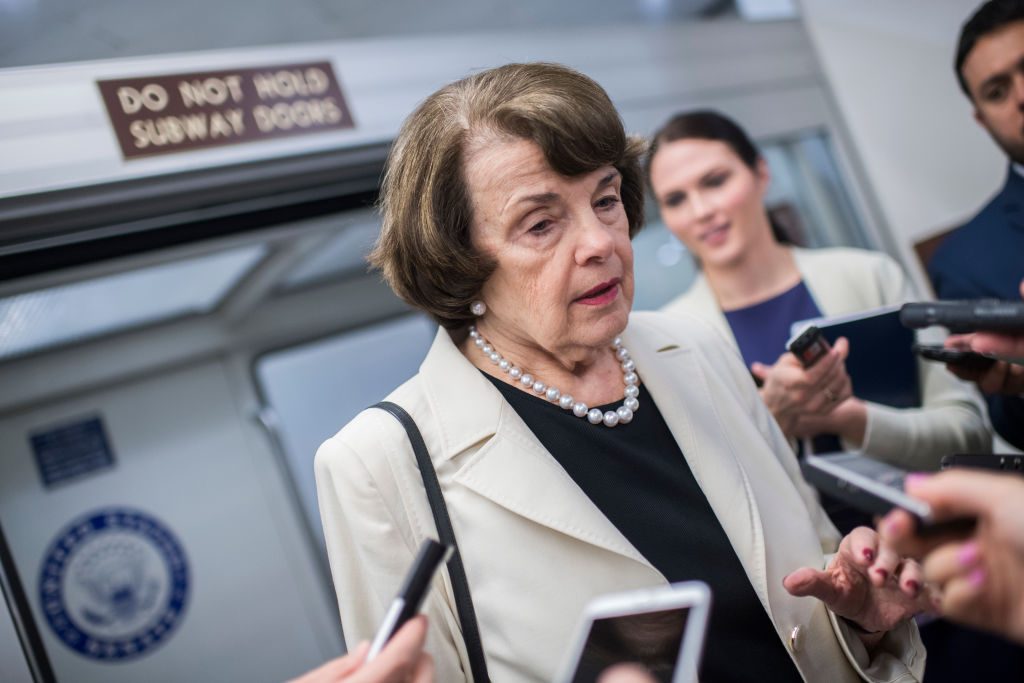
[842, 281]
[984, 259]
[536, 549]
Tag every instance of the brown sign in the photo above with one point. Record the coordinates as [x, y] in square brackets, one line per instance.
[177, 113]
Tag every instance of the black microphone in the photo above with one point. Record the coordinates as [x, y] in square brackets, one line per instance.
[980, 315]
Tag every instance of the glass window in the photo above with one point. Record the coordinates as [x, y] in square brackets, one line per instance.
[316, 388]
[344, 255]
[47, 317]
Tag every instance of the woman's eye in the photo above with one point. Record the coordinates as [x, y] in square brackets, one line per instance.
[540, 227]
[675, 199]
[607, 202]
[716, 180]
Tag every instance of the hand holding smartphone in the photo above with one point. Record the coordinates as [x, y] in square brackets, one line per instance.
[658, 633]
[809, 346]
[968, 360]
[876, 488]
[410, 597]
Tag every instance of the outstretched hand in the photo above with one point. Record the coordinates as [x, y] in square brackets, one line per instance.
[866, 583]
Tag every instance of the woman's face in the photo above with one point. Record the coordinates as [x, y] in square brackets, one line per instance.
[564, 277]
[711, 200]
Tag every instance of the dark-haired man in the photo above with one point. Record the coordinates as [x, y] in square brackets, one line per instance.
[985, 257]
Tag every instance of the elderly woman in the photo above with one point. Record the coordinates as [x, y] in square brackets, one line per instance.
[710, 181]
[581, 450]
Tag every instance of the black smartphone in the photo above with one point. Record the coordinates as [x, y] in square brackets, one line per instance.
[1001, 462]
[410, 597]
[809, 346]
[876, 488]
[979, 315]
[969, 360]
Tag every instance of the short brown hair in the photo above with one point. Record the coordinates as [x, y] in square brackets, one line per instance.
[424, 249]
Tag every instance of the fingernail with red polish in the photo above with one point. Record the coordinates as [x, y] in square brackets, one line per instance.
[968, 554]
[976, 578]
[869, 554]
[881, 572]
[914, 586]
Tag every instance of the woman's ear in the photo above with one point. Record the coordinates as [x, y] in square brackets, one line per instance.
[764, 175]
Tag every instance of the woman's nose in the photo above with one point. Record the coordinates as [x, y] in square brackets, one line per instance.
[595, 242]
[700, 206]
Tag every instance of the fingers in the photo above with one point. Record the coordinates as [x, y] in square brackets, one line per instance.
[910, 575]
[424, 669]
[961, 342]
[968, 374]
[999, 344]
[884, 567]
[336, 669]
[957, 568]
[860, 548]
[842, 348]
[963, 493]
[951, 561]
[399, 658]
[898, 529]
[863, 549]
[810, 582]
[760, 371]
[991, 381]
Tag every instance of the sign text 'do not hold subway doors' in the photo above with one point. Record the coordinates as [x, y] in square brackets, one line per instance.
[183, 112]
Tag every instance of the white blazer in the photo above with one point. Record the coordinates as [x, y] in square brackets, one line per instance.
[951, 418]
[535, 547]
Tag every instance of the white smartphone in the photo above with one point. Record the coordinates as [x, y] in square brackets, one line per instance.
[654, 634]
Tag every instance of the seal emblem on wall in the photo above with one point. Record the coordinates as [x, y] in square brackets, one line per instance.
[114, 584]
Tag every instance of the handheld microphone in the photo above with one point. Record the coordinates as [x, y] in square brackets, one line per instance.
[981, 315]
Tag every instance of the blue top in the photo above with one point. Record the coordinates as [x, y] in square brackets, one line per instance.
[762, 330]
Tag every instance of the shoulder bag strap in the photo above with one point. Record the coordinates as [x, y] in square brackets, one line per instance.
[460, 586]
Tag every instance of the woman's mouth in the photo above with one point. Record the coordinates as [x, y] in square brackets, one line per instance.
[716, 236]
[601, 294]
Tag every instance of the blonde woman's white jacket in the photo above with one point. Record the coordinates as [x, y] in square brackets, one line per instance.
[535, 547]
[951, 418]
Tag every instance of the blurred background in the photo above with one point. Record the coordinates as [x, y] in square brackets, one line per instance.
[179, 332]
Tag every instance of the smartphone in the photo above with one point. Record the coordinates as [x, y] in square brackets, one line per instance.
[410, 597]
[809, 346]
[874, 487]
[968, 360]
[657, 633]
[1002, 462]
[979, 315]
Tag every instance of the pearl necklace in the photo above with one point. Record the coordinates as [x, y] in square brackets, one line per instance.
[622, 415]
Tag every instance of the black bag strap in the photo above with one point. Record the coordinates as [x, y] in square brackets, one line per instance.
[457, 573]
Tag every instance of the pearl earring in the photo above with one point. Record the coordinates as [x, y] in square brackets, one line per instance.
[478, 308]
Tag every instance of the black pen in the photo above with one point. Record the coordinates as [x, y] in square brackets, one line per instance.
[414, 589]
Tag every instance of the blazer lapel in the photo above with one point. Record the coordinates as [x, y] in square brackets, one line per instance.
[679, 386]
[1012, 198]
[487, 448]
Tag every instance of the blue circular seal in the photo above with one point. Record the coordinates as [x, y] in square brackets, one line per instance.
[114, 584]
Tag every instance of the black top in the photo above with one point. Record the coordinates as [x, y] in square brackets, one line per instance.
[637, 476]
